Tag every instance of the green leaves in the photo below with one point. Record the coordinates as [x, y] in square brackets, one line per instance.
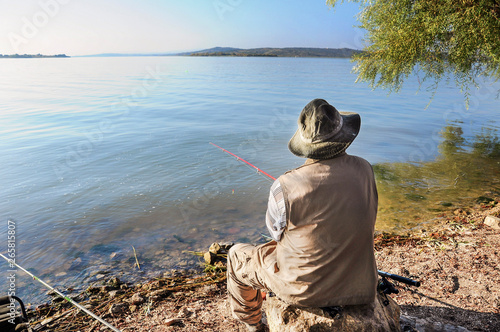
[445, 38]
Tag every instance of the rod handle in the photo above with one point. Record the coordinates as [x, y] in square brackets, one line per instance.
[399, 278]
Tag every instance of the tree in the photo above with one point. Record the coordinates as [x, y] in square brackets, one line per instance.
[439, 38]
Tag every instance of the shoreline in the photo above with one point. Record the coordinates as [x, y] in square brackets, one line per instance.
[457, 263]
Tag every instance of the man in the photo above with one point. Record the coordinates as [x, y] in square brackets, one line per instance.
[321, 216]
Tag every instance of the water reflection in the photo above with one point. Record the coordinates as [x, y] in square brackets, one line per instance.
[464, 170]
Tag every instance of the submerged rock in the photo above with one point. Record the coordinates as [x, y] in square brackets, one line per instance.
[76, 264]
[415, 197]
[484, 200]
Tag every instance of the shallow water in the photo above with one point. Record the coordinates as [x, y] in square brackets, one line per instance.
[102, 154]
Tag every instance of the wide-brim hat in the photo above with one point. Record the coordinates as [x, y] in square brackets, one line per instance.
[323, 131]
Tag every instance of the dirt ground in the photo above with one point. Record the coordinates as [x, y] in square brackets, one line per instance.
[459, 268]
[457, 263]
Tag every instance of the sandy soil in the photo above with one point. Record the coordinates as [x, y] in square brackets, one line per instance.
[458, 264]
[459, 268]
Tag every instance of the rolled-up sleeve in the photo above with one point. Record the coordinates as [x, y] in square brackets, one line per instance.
[276, 212]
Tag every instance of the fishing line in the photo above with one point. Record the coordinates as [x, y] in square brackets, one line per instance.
[10, 261]
[243, 160]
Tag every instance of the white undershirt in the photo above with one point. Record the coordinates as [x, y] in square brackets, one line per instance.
[276, 212]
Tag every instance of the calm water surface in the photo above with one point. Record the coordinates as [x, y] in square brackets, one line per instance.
[102, 154]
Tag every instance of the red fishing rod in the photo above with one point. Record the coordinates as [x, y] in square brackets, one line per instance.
[243, 160]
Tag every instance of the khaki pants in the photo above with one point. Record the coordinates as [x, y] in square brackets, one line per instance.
[245, 278]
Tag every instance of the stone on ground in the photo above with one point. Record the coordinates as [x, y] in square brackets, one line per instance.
[282, 317]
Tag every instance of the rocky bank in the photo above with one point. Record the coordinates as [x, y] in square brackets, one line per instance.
[457, 262]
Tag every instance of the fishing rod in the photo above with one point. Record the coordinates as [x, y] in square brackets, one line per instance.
[243, 160]
[11, 261]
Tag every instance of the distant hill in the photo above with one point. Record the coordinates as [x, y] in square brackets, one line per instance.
[298, 52]
[33, 56]
[107, 55]
[291, 52]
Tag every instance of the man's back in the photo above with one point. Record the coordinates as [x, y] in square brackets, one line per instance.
[325, 256]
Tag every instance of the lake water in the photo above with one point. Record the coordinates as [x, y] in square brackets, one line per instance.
[102, 154]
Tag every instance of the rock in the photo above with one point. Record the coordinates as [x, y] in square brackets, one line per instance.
[47, 321]
[414, 324]
[209, 257]
[116, 256]
[157, 284]
[117, 309]
[57, 299]
[172, 321]
[214, 248]
[282, 317]
[78, 297]
[157, 294]
[492, 221]
[407, 323]
[76, 263]
[173, 273]
[114, 282]
[415, 197]
[105, 288]
[137, 299]
[484, 200]
[92, 290]
[226, 245]
[184, 312]
[112, 294]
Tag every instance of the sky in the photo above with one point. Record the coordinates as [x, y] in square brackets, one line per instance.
[83, 27]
